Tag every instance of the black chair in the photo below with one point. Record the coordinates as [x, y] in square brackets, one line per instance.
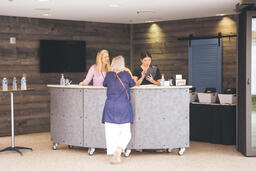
[210, 90]
[193, 89]
[230, 91]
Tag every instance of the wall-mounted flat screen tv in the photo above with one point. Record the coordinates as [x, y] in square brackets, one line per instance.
[62, 56]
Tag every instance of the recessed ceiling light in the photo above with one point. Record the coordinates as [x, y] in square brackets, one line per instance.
[43, 9]
[146, 11]
[114, 5]
[220, 14]
[149, 21]
[46, 14]
[43, 0]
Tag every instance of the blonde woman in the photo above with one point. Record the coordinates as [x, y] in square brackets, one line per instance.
[97, 72]
[117, 113]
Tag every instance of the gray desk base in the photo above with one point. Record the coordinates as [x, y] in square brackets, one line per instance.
[161, 118]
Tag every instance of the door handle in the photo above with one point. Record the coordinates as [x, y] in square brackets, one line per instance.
[248, 81]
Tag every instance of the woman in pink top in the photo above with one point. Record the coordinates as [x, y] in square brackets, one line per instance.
[97, 72]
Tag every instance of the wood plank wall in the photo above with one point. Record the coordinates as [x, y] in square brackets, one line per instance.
[171, 55]
[32, 108]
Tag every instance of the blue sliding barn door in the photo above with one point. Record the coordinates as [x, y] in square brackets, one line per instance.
[205, 64]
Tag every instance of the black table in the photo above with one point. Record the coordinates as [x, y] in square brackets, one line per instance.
[213, 123]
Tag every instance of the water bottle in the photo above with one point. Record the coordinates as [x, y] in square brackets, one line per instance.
[5, 84]
[23, 83]
[62, 80]
[162, 80]
[14, 83]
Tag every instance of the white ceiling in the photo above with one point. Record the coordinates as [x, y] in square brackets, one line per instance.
[117, 11]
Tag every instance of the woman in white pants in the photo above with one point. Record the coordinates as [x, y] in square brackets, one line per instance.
[118, 113]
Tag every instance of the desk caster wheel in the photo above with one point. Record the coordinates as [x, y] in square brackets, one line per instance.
[70, 146]
[54, 146]
[181, 151]
[127, 153]
[139, 150]
[169, 150]
[91, 151]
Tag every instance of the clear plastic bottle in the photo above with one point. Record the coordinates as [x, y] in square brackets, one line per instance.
[62, 80]
[162, 80]
[23, 83]
[14, 83]
[5, 84]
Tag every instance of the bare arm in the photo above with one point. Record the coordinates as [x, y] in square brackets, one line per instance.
[129, 71]
[155, 82]
[139, 81]
[89, 77]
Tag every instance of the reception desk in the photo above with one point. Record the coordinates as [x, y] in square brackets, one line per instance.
[161, 118]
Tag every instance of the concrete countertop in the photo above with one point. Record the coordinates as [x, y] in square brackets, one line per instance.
[101, 87]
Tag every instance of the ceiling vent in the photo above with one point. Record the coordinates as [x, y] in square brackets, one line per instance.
[245, 4]
[146, 12]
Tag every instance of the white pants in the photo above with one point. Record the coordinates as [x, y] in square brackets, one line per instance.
[117, 135]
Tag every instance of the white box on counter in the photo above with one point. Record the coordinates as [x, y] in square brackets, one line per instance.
[166, 83]
[207, 97]
[178, 76]
[227, 98]
[181, 82]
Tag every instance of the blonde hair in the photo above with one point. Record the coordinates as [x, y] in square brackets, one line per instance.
[117, 64]
[99, 59]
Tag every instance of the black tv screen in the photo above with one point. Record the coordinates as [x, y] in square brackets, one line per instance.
[62, 56]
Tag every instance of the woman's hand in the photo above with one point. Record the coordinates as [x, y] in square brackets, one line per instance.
[143, 74]
[150, 79]
[82, 83]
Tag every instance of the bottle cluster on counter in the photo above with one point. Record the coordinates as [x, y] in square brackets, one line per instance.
[23, 83]
[64, 81]
[178, 82]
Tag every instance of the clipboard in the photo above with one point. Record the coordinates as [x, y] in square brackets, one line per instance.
[151, 71]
